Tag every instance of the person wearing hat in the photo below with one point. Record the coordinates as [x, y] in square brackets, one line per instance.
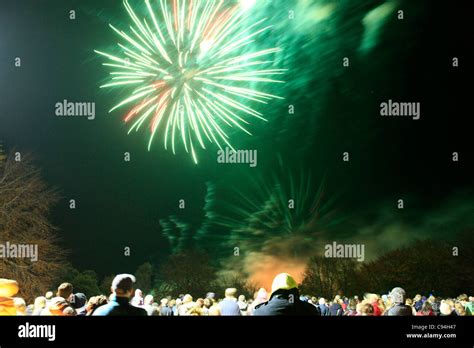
[399, 308]
[119, 305]
[285, 299]
[79, 303]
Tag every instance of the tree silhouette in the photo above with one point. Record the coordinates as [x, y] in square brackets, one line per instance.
[188, 272]
[25, 202]
[144, 276]
[329, 276]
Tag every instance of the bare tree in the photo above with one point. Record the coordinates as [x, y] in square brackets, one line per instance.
[329, 276]
[25, 202]
[188, 272]
[236, 280]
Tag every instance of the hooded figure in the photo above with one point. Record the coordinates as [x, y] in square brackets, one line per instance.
[398, 295]
[285, 299]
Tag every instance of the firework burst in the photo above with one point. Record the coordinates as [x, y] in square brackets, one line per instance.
[281, 209]
[191, 72]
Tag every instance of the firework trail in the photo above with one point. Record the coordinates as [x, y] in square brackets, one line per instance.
[285, 209]
[182, 235]
[191, 72]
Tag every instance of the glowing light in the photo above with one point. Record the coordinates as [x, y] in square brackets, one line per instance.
[206, 46]
[247, 4]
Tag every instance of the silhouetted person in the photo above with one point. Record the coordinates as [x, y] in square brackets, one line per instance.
[285, 299]
[119, 304]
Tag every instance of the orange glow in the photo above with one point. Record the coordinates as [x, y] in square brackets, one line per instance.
[263, 268]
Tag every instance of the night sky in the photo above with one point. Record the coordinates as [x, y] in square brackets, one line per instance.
[336, 109]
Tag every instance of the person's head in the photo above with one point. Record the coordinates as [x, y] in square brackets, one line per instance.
[199, 303]
[445, 308]
[8, 287]
[57, 306]
[49, 295]
[78, 300]
[230, 292]
[138, 293]
[242, 298]
[261, 295]
[337, 299]
[95, 302]
[64, 291]
[20, 306]
[40, 302]
[148, 300]
[450, 302]
[211, 295]
[409, 302]
[207, 302]
[171, 303]
[371, 298]
[426, 307]
[187, 299]
[459, 308]
[471, 298]
[367, 309]
[122, 285]
[164, 302]
[322, 301]
[69, 312]
[284, 281]
[397, 295]
[417, 298]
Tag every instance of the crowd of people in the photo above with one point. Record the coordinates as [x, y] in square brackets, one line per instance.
[283, 299]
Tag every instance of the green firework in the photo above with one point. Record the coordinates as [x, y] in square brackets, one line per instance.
[284, 206]
[190, 71]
